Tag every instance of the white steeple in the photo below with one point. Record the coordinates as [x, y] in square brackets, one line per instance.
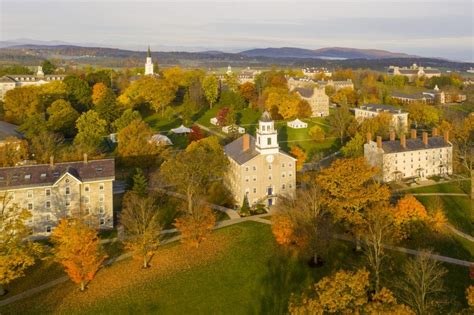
[40, 73]
[149, 63]
[229, 70]
[267, 136]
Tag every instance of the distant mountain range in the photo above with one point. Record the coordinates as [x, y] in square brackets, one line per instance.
[324, 53]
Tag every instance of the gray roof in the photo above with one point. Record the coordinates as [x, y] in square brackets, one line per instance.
[414, 96]
[414, 145]
[45, 174]
[380, 107]
[235, 150]
[8, 130]
[431, 71]
[305, 92]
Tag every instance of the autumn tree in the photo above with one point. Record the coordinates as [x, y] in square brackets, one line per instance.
[346, 292]
[300, 156]
[135, 145]
[231, 82]
[210, 86]
[17, 253]
[345, 97]
[77, 247]
[407, 211]
[46, 144]
[140, 183]
[195, 134]
[316, 133]
[378, 125]
[22, 102]
[191, 171]
[354, 147]
[13, 151]
[349, 189]
[195, 226]
[106, 106]
[339, 120]
[421, 283]
[302, 221]
[249, 92]
[140, 219]
[423, 114]
[62, 117]
[98, 92]
[287, 105]
[91, 130]
[225, 116]
[470, 296]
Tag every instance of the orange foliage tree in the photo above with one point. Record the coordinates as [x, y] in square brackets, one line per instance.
[195, 226]
[300, 156]
[407, 211]
[98, 91]
[77, 248]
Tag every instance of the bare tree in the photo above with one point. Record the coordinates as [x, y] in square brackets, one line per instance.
[422, 283]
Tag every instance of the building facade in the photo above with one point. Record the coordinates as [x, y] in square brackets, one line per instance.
[311, 72]
[317, 99]
[414, 72]
[9, 82]
[54, 191]
[412, 158]
[258, 168]
[399, 117]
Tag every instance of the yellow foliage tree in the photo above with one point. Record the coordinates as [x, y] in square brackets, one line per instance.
[98, 91]
[300, 156]
[470, 296]
[77, 248]
[196, 226]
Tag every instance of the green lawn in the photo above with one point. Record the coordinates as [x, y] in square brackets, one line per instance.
[239, 270]
[458, 209]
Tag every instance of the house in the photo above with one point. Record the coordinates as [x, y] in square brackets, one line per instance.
[413, 72]
[317, 99]
[258, 168]
[9, 82]
[399, 117]
[297, 124]
[413, 158]
[57, 190]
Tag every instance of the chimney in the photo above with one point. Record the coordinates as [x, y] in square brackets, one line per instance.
[392, 135]
[403, 141]
[446, 136]
[85, 158]
[51, 161]
[245, 142]
[379, 142]
[434, 132]
[413, 133]
[369, 137]
[425, 138]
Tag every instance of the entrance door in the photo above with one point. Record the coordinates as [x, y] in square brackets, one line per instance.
[270, 201]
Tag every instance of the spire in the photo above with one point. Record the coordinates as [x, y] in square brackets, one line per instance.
[266, 116]
[148, 54]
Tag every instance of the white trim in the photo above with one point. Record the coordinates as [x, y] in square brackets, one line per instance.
[64, 175]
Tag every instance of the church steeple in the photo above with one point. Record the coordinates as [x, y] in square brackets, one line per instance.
[149, 63]
[267, 135]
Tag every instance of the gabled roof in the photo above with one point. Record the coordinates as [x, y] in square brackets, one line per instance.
[235, 150]
[45, 174]
[304, 92]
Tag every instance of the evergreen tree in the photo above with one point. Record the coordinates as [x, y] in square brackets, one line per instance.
[140, 183]
[245, 209]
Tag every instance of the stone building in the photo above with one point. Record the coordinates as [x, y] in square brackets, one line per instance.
[56, 190]
[9, 82]
[399, 117]
[317, 99]
[310, 72]
[413, 158]
[337, 85]
[414, 72]
[258, 168]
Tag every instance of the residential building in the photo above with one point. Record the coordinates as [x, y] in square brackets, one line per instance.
[9, 82]
[310, 72]
[410, 159]
[434, 97]
[294, 82]
[414, 72]
[258, 168]
[246, 75]
[317, 99]
[337, 85]
[399, 117]
[57, 190]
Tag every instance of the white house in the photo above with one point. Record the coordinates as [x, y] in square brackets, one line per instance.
[297, 124]
[399, 116]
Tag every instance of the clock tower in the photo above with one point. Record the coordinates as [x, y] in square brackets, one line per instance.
[267, 136]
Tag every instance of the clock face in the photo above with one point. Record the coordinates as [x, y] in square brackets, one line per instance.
[270, 158]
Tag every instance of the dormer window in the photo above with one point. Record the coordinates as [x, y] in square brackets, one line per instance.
[28, 176]
[43, 175]
[56, 174]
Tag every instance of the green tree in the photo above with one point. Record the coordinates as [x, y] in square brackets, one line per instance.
[33, 126]
[62, 118]
[140, 183]
[79, 93]
[340, 120]
[107, 106]
[127, 117]
[423, 114]
[354, 147]
[101, 76]
[22, 102]
[210, 85]
[91, 130]
[48, 67]
[317, 133]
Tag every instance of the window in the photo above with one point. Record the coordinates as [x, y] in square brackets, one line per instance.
[101, 198]
[48, 229]
[47, 192]
[282, 174]
[290, 185]
[282, 164]
[289, 164]
[101, 209]
[254, 168]
[48, 218]
[67, 180]
[269, 167]
[56, 174]
[86, 199]
[87, 188]
[246, 169]
[269, 141]
[255, 178]
[283, 186]
[47, 204]
[255, 190]
[101, 186]
[270, 177]
[30, 206]
[289, 174]
[102, 221]
[29, 194]
[88, 210]
[246, 179]
[68, 202]
[68, 190]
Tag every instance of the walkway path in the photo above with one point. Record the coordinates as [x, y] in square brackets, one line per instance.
[432, 184]
[210, 130]
[440, 194]
[459, 233]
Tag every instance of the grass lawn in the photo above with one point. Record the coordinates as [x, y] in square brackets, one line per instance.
[462, 187]
[238, 270]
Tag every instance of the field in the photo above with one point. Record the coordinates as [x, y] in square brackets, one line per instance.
[239, 270]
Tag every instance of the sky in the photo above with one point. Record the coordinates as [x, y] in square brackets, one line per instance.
[435, 28]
